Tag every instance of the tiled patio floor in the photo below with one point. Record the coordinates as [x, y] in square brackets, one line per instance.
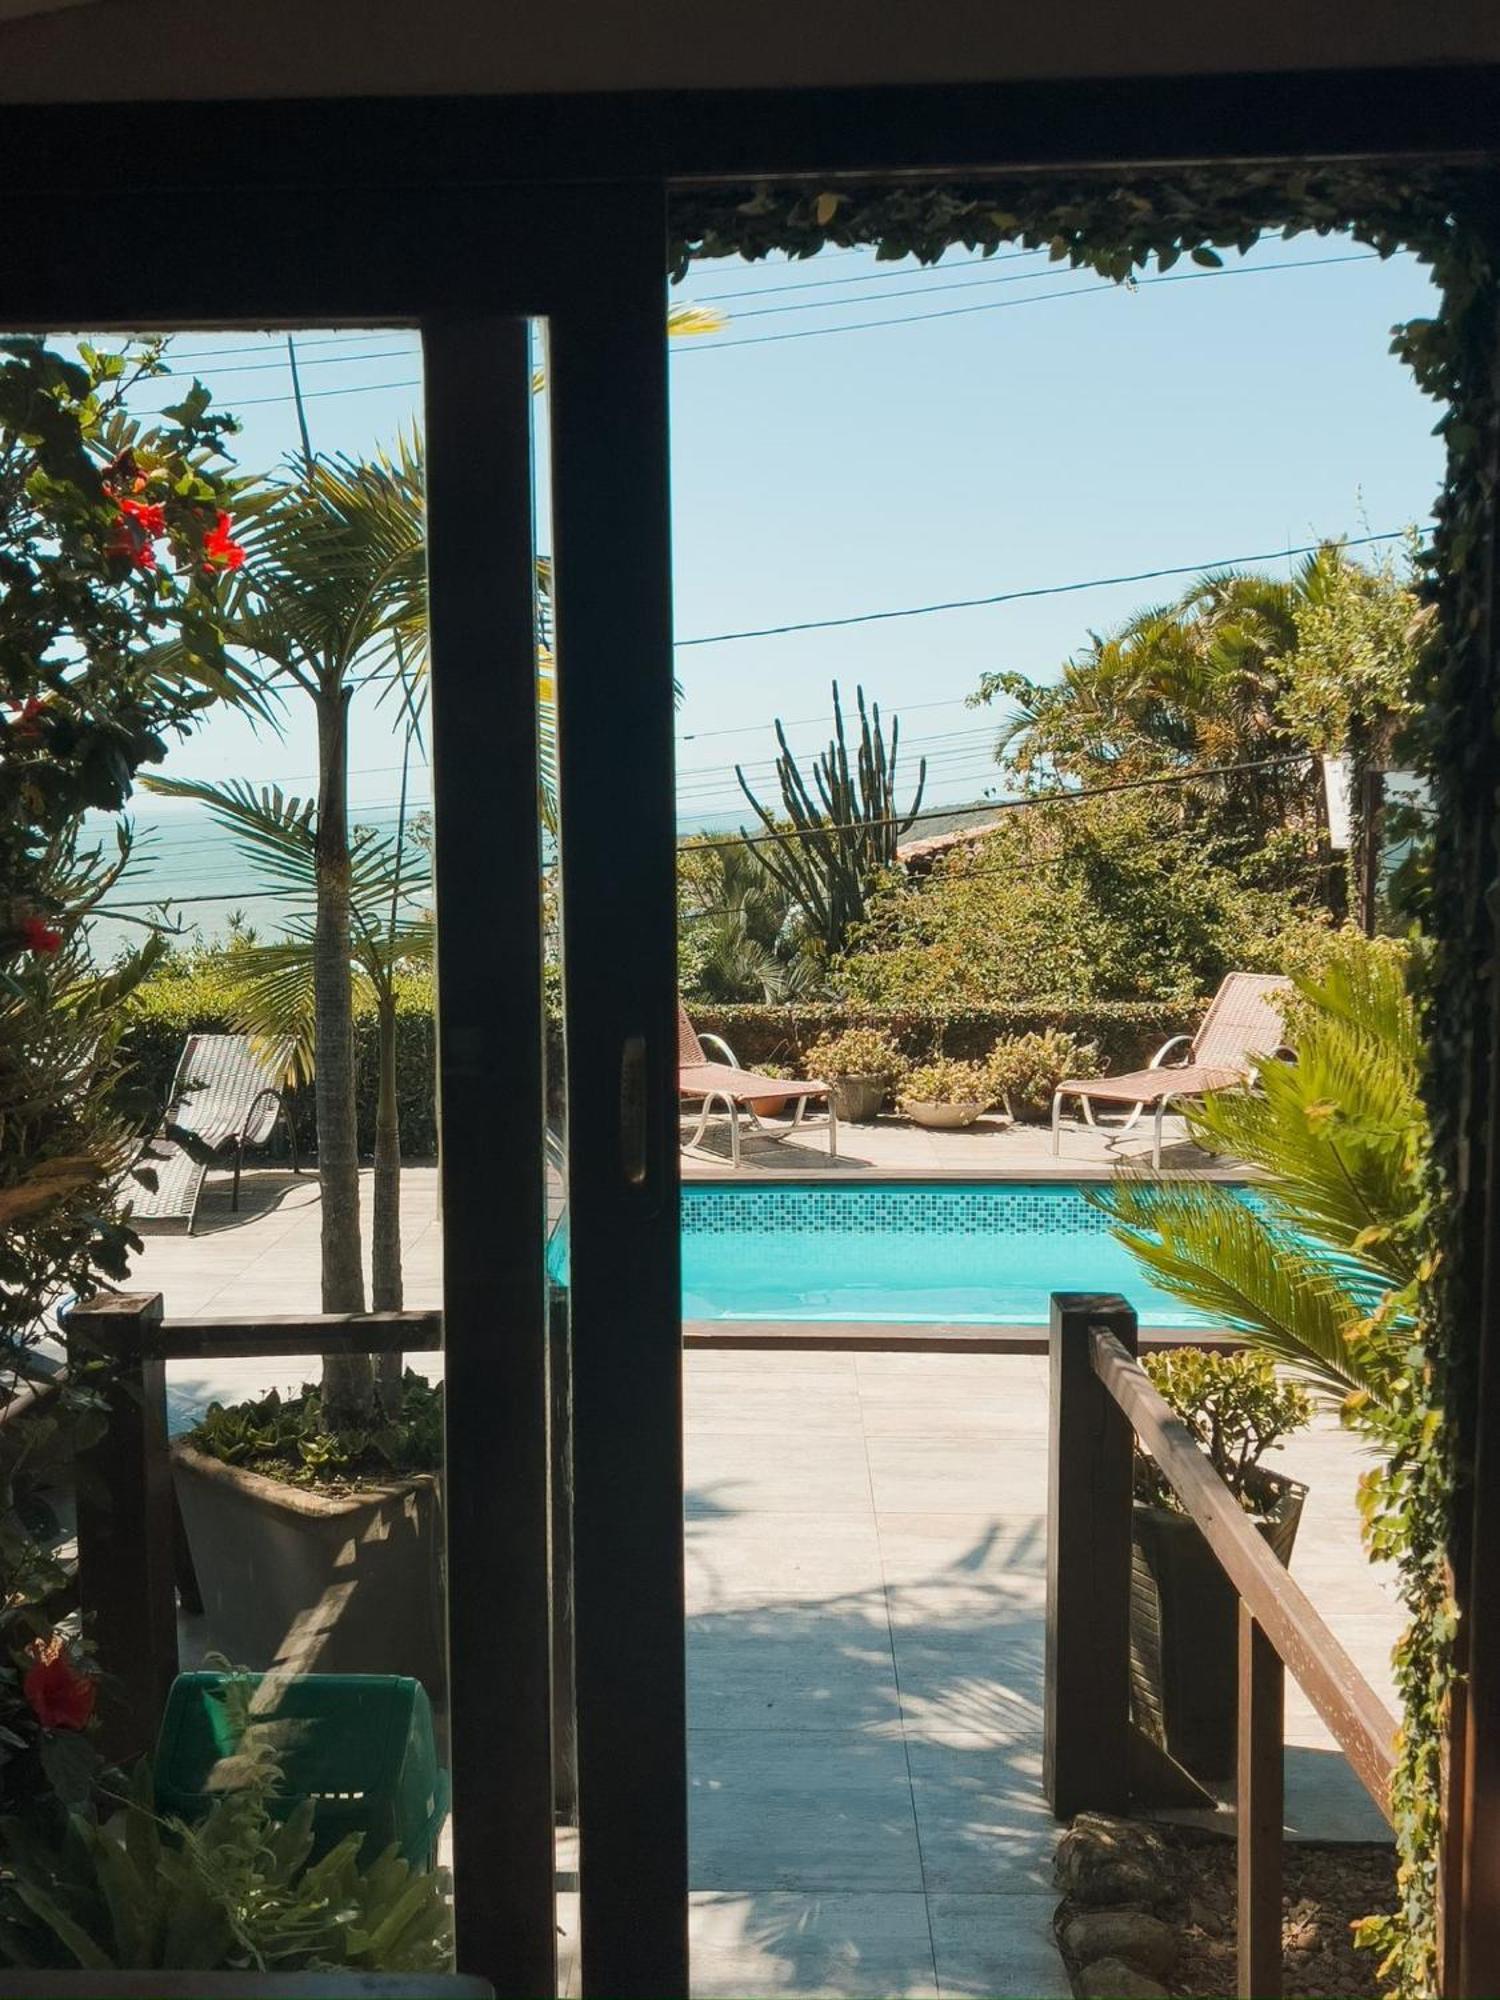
[865, 1540]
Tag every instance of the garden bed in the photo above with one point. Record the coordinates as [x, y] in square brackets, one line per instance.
[1325, 1891]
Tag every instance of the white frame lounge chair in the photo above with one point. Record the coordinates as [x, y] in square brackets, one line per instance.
[225, 1095]
[1242, 1024]
[724, 1084]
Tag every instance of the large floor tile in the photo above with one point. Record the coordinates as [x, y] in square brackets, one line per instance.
[778, 1669]
[858, 1946]
[997, 1947]
[982, 1823]
[807, 1559]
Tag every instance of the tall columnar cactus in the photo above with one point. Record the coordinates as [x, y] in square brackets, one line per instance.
[835, 836]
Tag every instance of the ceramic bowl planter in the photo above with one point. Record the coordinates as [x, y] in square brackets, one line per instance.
[1184, 1629]
[942, 1117]
[859, 1098]
[329, 1584]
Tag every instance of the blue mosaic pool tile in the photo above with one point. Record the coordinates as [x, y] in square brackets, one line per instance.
[1008, 1210]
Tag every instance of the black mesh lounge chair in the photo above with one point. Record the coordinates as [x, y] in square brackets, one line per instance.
[226, 1096]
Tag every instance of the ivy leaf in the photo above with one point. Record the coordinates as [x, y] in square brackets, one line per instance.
[1210, 259]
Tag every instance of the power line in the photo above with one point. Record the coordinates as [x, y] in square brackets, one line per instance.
[914, 292]
[1008, 805]
[1038, 298]
[1041, 590]
[777, 839]
[864, 278]
[865, 326]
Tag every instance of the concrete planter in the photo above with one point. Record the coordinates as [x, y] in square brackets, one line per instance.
[292, 1578]
[858, 1098]
[1184, 1629]
[942, 1117]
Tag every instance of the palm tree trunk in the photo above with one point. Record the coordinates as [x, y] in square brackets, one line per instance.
[348, 1380]
[385, 1261]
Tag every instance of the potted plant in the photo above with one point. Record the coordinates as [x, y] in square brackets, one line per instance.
[945, 1095]
[1023, 1071]
[315, 1547]
[860, 1066]
[1183, 1609]
[769, 1107]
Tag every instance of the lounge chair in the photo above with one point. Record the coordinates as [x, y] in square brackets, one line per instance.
[1242, 1024]
[710, 1084]
[226, 1096]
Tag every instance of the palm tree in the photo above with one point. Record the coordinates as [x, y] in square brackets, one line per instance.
[1320, 1269]
[276, 983]
[332, 597]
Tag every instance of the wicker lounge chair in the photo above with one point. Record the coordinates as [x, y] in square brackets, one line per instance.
[724, 1084]
[226, 1096]
[1242, 1023]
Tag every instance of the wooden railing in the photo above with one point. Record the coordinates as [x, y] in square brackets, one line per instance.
[1102, 1400]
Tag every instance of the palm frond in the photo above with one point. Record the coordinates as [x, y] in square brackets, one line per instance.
[1209, 1249]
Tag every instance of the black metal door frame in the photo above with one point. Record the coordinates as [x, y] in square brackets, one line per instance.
[469, 272]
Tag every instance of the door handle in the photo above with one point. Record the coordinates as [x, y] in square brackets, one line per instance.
[633, 1130]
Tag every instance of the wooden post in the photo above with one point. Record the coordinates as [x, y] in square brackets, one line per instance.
[1259, 1812]
[1086, 1761]
[125, 1520]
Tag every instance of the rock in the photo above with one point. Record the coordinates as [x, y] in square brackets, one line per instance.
[1206, 1917]
[1145, 1942]
[1113, 1979]
[1105, 1860]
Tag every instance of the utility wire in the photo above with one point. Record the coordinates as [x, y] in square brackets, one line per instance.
[1057, 798]
[864, 278]
[1041, 590]
[845, 826]
[679, 349]
[1037, 298]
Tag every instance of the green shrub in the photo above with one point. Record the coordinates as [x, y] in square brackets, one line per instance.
[861, 1052]
[131, 1890]
[947, 1082]
[285, 1437]
[1125, 1032]
[1236, 1409]
[1025, 1070]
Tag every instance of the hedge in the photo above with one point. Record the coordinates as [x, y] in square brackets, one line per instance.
[169, 1010]
[1127, 1032]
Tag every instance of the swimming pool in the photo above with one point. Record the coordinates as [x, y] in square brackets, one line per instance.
[981, 1253]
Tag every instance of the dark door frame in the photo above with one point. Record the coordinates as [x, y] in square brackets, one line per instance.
[470, 273]
[350, 210]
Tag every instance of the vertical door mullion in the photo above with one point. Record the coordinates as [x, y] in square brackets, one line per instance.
[481, 568]
[607, 371]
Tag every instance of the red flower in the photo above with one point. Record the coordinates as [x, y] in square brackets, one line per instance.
[27, 727]
[40, 937]
[60, 1696]
[131, 535]
[151, 519]
[220, 550]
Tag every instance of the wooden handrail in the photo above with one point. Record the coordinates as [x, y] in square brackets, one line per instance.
[244, 1336]
[1362, 1725]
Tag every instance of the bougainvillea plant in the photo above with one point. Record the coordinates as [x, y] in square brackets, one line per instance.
[113, 539]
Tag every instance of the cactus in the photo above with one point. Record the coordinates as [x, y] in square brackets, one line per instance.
[835, 836]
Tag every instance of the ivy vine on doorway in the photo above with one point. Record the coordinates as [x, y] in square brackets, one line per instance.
[1119, 224]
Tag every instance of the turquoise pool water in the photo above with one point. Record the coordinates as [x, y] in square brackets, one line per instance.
[979, 1253]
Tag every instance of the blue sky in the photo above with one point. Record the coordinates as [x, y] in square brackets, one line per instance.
[1065, 431]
